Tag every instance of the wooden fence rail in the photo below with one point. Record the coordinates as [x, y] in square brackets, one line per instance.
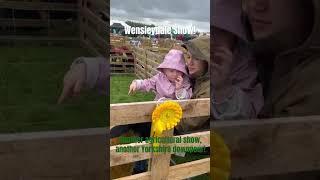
[32, 22]
[124, 158]
[91, 25]
[93, 30]
[140, 112]
[146, 62]
[21, 5]
[132, 113]
[181, 171]
[272, 146]
[258, 147]
[59, 155]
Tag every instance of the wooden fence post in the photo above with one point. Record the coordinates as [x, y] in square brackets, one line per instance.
[160, 162]
[145, 63]
[121, 114]
[82, 21]
[134, 62]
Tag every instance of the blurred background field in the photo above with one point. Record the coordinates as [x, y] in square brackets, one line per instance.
[31, 82]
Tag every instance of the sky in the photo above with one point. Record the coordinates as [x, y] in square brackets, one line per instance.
[163, 12]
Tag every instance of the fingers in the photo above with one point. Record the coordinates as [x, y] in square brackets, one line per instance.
[66, 92]
[77, 88]
[132, 88]
[178, 82]
[130, 91]
[73, 82]
[179, 79]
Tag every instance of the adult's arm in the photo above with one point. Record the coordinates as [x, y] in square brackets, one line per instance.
[296, 93]
[187, 125]
[235, 103]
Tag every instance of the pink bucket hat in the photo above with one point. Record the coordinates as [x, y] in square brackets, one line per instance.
[174, 60]
[226, 15]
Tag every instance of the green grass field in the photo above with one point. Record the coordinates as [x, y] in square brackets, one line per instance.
[119, 87]
[30, 84]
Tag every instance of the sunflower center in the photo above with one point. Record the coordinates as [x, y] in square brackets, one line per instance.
[166, 115]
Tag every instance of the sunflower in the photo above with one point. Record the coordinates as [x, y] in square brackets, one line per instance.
[165, 117]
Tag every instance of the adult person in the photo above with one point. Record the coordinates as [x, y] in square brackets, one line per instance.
[198, 67]
[91, 73]
[286, 34]
[236, 91]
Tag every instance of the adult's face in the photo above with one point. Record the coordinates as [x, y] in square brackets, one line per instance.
[197, 67]
[269, 17]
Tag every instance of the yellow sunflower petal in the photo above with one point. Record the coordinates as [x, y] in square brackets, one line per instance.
[166, 116]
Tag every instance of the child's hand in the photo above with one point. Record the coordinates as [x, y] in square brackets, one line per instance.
[179, 82]
[133, 87]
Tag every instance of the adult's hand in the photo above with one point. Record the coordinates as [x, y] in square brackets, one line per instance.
[73, 82]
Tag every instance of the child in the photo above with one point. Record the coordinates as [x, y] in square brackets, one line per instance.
[172, 81]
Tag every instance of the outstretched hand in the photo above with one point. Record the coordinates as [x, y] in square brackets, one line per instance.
[73, 82]
[132, 88]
